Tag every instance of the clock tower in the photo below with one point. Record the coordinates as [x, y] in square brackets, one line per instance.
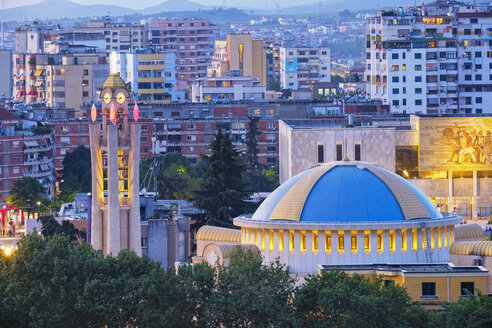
[115, 153]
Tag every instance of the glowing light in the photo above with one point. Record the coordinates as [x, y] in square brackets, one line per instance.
[405, 173]
[112, 114]
[7, 251]
[135, 113]
[93, 113]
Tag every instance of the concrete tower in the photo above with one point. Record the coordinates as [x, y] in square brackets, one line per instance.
[115, 151]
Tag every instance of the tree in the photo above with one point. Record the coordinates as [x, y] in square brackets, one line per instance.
[26, 193]
[222, 193]
[252, 144]
[471, 311]
[76, 173]
[335, 299]
[51, 227]
[176, 176]
[250, 294]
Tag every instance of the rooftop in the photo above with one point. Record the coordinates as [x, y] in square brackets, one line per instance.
[407, 268]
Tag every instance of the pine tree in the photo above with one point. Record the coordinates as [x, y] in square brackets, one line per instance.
[223, 192]
[252, 145]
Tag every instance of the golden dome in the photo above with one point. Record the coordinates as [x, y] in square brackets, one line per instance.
[114, 82]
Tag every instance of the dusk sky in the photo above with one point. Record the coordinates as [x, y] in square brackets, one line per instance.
[141, 4]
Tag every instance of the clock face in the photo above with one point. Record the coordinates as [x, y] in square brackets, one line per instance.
[107, 98]
[120, 97]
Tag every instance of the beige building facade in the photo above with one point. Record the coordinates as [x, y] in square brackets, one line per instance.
[448, 158]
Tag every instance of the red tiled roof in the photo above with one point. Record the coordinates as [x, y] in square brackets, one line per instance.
[5, 115]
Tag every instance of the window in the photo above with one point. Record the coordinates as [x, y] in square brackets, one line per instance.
[321, 153]
[15, 144]
[467, 287]
[315, 241]
[291, 240]
[418, 67]
[65, 140]
[392, 242]
[191, 138]
[380, 240]
[270, 235]
[396, 91]
[395, 79]
[262, 239]
[418, 56]
[16, 170]
[280, 240]
[394, 56]
[341, 242]
[468, 77]
[428, 290]
[353, 241]
[404, 240]
[395, 68]
[478, 100]
[143, 128]
[367, 241]
[396, 103]
[357, 153]
[418, 102]
[418, 79]
[327, 241]
[418, 91]
[190, 126]
[339, 152]
[145, 242]
[478, 77]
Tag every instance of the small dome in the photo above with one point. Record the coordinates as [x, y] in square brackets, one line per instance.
[346, 192]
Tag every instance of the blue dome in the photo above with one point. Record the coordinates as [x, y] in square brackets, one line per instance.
[346, 192]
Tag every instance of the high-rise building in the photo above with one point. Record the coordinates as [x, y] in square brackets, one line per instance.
[191, 40]
[433, 58]
[115, 149]
[152, 76]
[300, 68]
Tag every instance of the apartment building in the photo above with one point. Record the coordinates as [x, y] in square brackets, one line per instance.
[300, 68]
[191, 40]
[433, 58]
[27, 152]
[152, 76]
[118, 37]
[227, 89]
[272, 67]
[240, 55]
[60, 81]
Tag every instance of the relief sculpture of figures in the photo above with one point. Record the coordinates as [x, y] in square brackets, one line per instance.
[468, 146]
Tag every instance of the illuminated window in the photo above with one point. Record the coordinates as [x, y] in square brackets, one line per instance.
[211, 83]
[315, 241]
[327, 241]
[438, 20]
[404, 240]
[445, 236]
[414, 240]
[62, 71]
[291, 240]
[367, 241]
[424, 239]
[280, 240]
[262, 239]
[271, 240]
[380, 240]
[404, 67]
[257, 112]
[395, 67]
[270, 111]
[341, 241]
[433, 239]
[353, 241]
[392, 240]
[303, 241]
[207, 97]
[465, 43]
[439, 237]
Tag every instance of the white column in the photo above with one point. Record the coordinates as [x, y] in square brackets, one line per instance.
[474, 212]
[361, 256]
[347, 255]
[286, 251]
[114, 229]
[134, 225]
[335, 256]
[97, 188]
[386, 245]
[420, 249]
[397, 256]
[297, 251]
[374, 246]
[450, 192]
[275, 252]
[322, 255]
[308, 259]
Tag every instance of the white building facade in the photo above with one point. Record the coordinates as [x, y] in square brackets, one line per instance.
[300, 68]
[433, 58]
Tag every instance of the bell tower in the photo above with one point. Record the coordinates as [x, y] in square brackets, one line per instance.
[115, 152]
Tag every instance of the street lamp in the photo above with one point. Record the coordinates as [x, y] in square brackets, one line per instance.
[49, 209]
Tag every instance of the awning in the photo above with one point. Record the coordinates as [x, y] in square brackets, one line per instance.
[38, 72]
[21, 93]
[32, 93]
[31, 143]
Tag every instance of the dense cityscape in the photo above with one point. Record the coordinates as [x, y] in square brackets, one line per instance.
[264, 164]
